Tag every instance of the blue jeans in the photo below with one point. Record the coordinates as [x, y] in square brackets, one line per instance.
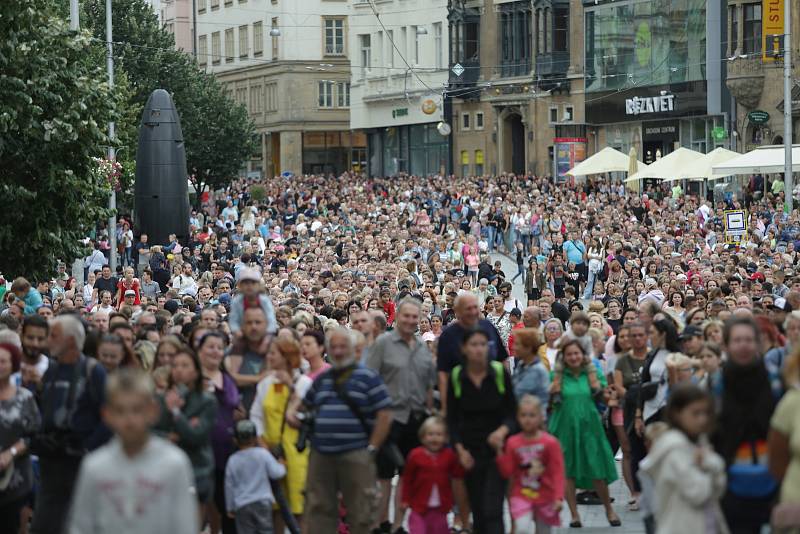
[589, 289]
[492, 231]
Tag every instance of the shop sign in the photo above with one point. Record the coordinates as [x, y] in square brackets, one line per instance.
[429, 107]
[719, 133]
[758, 116]
[399, 112]
[650, 104]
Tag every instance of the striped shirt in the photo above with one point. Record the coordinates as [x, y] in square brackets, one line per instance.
[336, 428]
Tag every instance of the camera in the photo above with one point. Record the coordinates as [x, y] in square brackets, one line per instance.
[304, 433]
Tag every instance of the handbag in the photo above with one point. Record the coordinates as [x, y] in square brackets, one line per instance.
[389, 450]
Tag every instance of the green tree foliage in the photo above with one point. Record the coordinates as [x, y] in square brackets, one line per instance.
[217, 131]
[54, 106]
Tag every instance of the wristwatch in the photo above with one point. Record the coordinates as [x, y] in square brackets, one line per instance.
[372, 449]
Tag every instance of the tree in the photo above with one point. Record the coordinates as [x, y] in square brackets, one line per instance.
[54, 106]
[217, 132]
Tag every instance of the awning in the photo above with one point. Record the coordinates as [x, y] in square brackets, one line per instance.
[607, 160]
[700, 169]
[763, 160]
[669, 166]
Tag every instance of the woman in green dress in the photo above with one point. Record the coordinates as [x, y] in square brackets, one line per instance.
[575, 421]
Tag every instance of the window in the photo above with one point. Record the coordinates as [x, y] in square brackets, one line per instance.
[244, 47]
[438, 51]
[258, 39]
[202, 50]
[228, 2]
[403, 41]
[216, 52]
[170, 27]
[343, 94]
[733, 16]
[514, 21]
[752, 28]
[568, 113]
[553, 114]
[271, 96]
[275, 39]
[255, 99]
[325, 94]
[334, 37]
[464, 42]
[479, 120]
[214, 6]
[389, 49]
[366, 55]
[561, 29]
[547, 44]
[229, 45]
[465, 121]
[201, 6]
[379, 49]
[464, 163]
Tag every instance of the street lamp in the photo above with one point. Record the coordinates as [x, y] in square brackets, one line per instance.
[421, 30]
[275, 32]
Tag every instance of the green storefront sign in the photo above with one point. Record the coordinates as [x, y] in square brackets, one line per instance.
[719, 133]
[758, 116]
[399, 112]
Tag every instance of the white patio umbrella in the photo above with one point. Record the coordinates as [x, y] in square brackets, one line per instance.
[607, 160]
[701, 169]
[668, 166]
[762, 160]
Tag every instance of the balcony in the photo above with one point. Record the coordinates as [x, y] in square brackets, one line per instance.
[552, 64]
[746, 80]
[469, 78]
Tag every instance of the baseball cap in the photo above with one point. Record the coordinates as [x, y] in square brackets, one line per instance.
[245, 430]
[250, 274]
[690, 332]
[782, 304]
[516, 312]
[130, 293]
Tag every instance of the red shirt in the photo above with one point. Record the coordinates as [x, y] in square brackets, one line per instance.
[122, 287]
[425, 469]
[388, 309]
[511, 337]
[535, 467]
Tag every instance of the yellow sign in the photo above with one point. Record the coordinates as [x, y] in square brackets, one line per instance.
[479, 157]
[465, 157]
[429, 107]
[772, 25]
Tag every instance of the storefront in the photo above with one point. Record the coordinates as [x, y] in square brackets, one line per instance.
[415, 149]
[648, 77]
[334, 152]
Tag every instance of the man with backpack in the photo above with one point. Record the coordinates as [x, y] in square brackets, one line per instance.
[70, 398]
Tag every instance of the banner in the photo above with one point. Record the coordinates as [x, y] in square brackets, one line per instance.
[772, 25]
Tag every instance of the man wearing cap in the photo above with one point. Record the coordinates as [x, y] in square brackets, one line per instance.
[691, 340]
[404, 363]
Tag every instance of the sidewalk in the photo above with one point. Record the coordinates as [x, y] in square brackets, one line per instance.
[594, 518]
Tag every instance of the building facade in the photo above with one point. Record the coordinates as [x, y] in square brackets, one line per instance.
[399, 68]
[755, 75]
[288, 63]
[516, 84]
[655, 75]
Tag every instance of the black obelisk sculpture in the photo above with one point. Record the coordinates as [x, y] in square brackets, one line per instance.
[161, 203]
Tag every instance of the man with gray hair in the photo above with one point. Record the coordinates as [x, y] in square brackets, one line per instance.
[406, 366]
[350, 407]
[72, 394]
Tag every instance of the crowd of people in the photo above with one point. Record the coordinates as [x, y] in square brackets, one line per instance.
[328, 355]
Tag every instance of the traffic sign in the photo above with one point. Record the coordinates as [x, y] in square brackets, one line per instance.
[457, 69]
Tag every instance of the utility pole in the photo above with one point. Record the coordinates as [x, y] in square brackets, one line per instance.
[74, 16]
[112, 201]
[787, 106]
